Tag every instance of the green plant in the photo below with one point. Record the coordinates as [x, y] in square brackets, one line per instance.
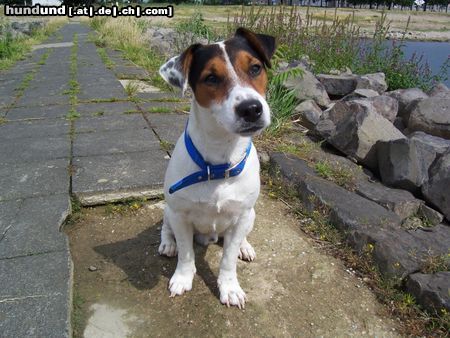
[3, 120]
[105, 58]
[131, 88]
[160, 110]
[334, 172]
[72, 114]
[281, 101]
[436, 263]
[190, 30]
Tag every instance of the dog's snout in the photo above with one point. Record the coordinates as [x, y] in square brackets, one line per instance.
[249, 110]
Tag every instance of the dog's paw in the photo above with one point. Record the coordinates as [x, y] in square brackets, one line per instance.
[231, 293]
[180, 283]
[246, 252]
[168, 248]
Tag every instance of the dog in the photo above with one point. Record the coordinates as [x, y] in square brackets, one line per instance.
[212, 181]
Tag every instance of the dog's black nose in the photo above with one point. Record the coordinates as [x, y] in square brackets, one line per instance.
[249, 110]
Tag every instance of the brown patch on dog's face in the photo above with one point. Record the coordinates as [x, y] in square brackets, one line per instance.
[213, 83]
[250, 70]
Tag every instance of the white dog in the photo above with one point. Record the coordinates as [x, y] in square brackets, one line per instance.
[212, 181]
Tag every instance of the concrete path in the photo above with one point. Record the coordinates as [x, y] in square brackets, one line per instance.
[67, 128]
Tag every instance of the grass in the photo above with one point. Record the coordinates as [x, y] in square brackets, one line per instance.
[436, 263]
[14, 49]
[334, 172]
[166, 146]
[3, 120]
[131, 88]
[74, 86]
[124, 207]
[105, 58]
[162, 110]
[79, 317]
[72, 114]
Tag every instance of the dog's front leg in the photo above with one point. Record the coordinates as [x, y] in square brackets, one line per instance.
[181, 280]
[231, 292]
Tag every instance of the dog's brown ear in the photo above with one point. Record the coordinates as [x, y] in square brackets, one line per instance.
[175, 71]
[263, 44]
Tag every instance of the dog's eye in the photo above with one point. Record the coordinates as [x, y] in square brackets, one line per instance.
[212, 79]
[255, 70]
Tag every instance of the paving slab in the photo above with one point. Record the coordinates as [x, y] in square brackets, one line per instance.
[38, 316]
[163, 107]
[110, 122]
[96, 109]
[34, 128]
[35, 297]
[114, 142]
[169, 127]
[8, 211]
[20, 180]
[32, 149]
[130, 72]
[104, 89]
[40, 274]
[163, 96]
[43, 97]
[38, 112]
[36, 227]
[139, 174]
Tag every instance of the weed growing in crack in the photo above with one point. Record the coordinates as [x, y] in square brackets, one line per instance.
[105, 58]
[131, 88]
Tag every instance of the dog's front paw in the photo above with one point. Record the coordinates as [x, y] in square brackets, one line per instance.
[168, 248]
[231, 293]
[179, 283]
[246, 252]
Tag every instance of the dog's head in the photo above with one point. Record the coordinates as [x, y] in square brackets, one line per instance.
[228, 79]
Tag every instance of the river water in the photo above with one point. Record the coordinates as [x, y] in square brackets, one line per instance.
[434, 52]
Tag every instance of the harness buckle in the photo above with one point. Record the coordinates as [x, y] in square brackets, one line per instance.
[227, 173]
[208, 170]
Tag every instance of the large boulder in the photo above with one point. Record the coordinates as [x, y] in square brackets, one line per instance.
[338, 85]
[432, 116]
[385, 106]
[405, 97]
[367, 226]
[354, 127]
[404, 163]
[307, 87]
[376, 81]
[360, 93]
[439, 90]
[440, 145]
[430, 290]
[309, 113]
[437, 189]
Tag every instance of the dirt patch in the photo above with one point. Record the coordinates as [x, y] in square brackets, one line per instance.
[293, 289]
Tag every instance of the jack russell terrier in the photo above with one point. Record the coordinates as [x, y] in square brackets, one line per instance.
[212, 181]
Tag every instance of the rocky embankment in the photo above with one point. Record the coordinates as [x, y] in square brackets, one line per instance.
[20, 28]
[398, 207]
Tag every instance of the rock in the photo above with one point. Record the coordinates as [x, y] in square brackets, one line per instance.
[432, 116]
[354, 128]
[430, 216]
[385, 106]
[398, 123]
[92, 268]
[401, 202]
[438, 144]
[367, 226]
[338, 85]
[437, 189]
[360, 93]
[307, 87]
[376, 81]
[264, 157]
[404, 163]
[405, 97]
[439, 90]
[309, 113]
[430, 290]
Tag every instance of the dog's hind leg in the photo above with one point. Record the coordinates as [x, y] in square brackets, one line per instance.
[168, 247]
[246, 251]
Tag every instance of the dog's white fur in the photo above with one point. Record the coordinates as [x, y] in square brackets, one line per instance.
[223, 207]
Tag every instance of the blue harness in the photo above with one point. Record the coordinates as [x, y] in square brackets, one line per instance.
[207, 171]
